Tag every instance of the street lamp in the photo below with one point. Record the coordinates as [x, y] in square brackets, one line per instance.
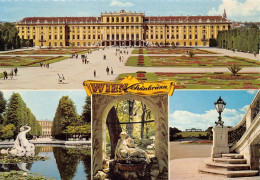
[220, 106]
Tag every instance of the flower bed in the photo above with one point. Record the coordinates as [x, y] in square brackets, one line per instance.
[28, 60]
[46, 51]
[197, 61]
[177, 51]
[202, 80]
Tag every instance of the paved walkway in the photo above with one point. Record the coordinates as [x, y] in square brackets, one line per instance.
[187, 169]
[75, 72]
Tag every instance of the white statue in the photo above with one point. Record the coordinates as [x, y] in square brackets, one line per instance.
[22, 147]
[125, 150]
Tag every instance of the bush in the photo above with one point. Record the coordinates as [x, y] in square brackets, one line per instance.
[235, 69]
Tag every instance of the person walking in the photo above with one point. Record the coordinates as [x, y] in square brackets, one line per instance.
[107, 69]
[5, 75]
[94, 73]
[11, 74]
[15, 71]
[62, 78]
[112, 71]
[58, 78]
[85, 60]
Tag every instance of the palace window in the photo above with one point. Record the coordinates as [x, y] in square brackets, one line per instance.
[84, 36]
[122, 19]
[60, 45]
[168, 37]
[196, 36]
[117, 19]
[156, 36]
[196, 27]
[132, 19]
[73, 37]
[137, 36]
[161, 36]
[151, 36]
[212, 36]
[107, 19]
[190, 43]
[172, 36]
[55, 27]
[28, 37]
[190, 36]
[78, 37]
[217, 26]
[184, 37]
[137, 19]
[184, 43]
[177, 27]
[98, 36]
[49, 36]
[55, 36]
[184, 27]
[117, 27]
[77, 43]
[177, 36]
[132, 36]
[127, 19]
[42, 27]
[204, 27]
[33, 28]
[224, 26]
[94, 37]
[122, 37]
[33, 36]
[196, 43]
[112, 19]
[108, 36]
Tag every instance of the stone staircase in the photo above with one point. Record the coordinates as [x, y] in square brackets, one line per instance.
[229, 165]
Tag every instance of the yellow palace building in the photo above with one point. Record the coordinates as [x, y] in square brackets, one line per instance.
[122, 29]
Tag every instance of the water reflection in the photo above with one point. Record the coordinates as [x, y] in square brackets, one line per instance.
[64, 163]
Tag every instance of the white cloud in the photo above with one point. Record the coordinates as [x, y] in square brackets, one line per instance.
[234, 8]
[244, 109]
[185, 119]
[251, 91]
[120, 4]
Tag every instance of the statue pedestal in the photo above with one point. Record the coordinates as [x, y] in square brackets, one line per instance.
[220, 141]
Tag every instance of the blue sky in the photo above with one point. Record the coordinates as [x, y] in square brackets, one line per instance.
[195, 108]
[43, 104]
[238, 10]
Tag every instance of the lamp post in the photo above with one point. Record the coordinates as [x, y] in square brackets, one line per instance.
[220, 106]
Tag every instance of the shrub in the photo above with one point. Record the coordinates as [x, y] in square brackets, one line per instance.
[235, 69]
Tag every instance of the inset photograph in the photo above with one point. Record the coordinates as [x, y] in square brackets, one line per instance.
[45, 135]
[214, 134]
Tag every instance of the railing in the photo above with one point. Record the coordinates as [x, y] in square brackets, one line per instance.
[236, 134]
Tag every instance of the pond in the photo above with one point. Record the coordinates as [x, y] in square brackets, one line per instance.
[64, 163]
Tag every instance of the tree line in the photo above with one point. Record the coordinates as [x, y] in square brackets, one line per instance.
[67, 123]
[9, 38]
[13, 115]
[242, 39]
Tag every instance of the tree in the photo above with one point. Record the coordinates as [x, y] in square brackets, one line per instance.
[7, 132]
[191, 53]
[65, 115]
[86, 114]
[235, 69]
[16, 112]
[2, 106]
[9, 36]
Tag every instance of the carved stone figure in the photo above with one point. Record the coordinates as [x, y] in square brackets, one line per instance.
[22, 147]
[129, 152]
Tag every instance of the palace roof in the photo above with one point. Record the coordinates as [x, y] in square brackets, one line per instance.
[60, 19]
[184, 19]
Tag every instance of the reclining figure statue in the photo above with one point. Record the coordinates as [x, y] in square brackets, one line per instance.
[22, 147]
[125, 150]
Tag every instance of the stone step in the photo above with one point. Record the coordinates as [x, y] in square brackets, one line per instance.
[230, 174]
[233, 156]
[227, 167]
[229, 161]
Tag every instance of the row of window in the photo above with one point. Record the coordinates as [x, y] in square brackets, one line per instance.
[117, 27]
[123, 19]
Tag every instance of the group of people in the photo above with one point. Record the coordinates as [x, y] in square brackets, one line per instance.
[45, 65]
[60, 78]
[111, 70]
[12, 73]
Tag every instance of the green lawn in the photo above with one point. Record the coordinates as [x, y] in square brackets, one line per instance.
[197, 61]
[201, 80]
[17, 61]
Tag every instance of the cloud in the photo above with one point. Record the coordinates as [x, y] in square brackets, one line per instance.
[120, 4]
[244, 109]
[234, 8]
[253, 92]
[186, 120]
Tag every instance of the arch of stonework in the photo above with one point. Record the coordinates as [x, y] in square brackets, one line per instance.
[101, 105]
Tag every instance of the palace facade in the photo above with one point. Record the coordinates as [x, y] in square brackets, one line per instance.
[122, 29]
[46, 128]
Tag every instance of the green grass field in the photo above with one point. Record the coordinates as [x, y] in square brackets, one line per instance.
[200, 80]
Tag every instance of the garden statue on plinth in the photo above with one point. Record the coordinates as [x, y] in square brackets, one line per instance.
[125, 150]
[22, 147]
